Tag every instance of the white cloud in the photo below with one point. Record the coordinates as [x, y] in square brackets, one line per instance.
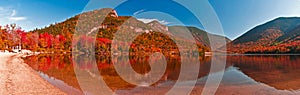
[14, 12]
[17, 18]
[137, 12]
[146, 20]
[10, 15]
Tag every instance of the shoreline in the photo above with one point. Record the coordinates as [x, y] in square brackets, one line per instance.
[17, 78]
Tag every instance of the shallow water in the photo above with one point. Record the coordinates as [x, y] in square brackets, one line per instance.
[244, 74]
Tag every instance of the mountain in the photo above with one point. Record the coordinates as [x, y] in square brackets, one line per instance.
[201, 37]
[157, 26]
[277, 36]
[150, 38]
[290, 36]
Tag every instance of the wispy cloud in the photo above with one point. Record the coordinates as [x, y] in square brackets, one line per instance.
[17, 18]
[146, 20]
[137, 12]
[14, 12]
[8, 14]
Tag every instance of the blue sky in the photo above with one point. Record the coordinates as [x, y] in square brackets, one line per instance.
[236, 16]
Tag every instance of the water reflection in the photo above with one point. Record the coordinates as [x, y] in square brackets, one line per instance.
[281, 72]
[256, 74]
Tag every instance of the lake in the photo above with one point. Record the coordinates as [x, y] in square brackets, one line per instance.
[244, 74]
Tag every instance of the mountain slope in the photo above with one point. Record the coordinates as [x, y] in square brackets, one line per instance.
[278, 26]
[277, 36]
[199, 35]
[290, 36]
[149, 40]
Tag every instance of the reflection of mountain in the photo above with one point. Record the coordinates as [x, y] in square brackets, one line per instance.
[234, 82]
[61, 68]
[277, 36]
[281, 72]
[249, 74]
[56, 66]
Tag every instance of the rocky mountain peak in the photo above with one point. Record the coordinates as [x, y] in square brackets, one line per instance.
[157, 26]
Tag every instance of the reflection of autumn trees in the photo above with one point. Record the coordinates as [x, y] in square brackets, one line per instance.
[281, 72]
[61, 67]
[57, 66]
[266, 61]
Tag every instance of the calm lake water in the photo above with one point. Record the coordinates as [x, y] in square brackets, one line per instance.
[244, 74]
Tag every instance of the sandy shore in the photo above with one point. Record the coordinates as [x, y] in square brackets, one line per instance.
[17, 78]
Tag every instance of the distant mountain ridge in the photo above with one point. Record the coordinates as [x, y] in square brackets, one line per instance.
[277, 36]
[282, 25]
[199, 35]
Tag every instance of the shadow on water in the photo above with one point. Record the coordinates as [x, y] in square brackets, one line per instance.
[262, 73]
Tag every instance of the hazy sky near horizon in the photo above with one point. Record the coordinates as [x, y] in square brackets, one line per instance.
[236, 16]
